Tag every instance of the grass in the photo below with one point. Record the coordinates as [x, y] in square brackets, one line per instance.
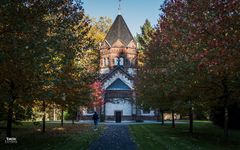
[70, 137]
[205, 137]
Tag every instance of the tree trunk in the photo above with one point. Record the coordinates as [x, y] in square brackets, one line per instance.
[173, 119]
[62, 117]
[10, 110]
[162, 113]
[158, 114]
[226, 97]
[44, 117]
[190, 116]
[104, 111]
[100, 114]
[74, 116]
[54, 112]
[10, 118]
[225, 122]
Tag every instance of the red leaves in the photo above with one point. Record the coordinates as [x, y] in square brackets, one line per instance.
[97, 93]
[201, 55]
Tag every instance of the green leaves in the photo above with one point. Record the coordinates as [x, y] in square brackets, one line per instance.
[145, 37]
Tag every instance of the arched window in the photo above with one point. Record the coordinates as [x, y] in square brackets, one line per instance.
[103, 62]
[121, 61]
[116, 61]
[113, 62]
[107, 61]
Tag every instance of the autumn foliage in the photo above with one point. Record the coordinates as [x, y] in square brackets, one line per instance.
[193, 57]
[97, 94]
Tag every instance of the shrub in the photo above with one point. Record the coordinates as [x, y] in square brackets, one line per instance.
[66, 116]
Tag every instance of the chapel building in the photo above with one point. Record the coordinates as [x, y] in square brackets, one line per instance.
[118, 64]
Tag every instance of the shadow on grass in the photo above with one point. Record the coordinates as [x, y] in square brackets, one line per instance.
[77, 136]
[206, 136]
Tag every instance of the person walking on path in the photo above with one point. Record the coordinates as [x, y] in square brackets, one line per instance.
[95, 119]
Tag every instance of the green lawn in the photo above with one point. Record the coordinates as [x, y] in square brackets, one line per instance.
[206, 137]
[71, 137]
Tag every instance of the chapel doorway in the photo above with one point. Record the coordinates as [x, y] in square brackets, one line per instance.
[118, 116]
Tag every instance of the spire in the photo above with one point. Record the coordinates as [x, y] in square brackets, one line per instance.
[119, 30]
[119, 7]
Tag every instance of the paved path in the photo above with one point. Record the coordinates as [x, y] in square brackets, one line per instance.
[115, 137]
[122, 123]
[130, 122]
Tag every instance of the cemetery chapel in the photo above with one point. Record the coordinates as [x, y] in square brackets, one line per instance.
[118, 63]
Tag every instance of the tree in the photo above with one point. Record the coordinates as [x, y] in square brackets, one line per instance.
[68, 37]
[194, 52]
[99, 29]
[21, 52]
[145, 37]
[97, 96]
[41, 66]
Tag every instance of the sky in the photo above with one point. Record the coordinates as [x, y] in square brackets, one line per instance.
[134, 12]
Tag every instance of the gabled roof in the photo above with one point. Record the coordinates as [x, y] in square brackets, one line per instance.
[119, 30]
[117, 73]
[118, 85]
[113, 71]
